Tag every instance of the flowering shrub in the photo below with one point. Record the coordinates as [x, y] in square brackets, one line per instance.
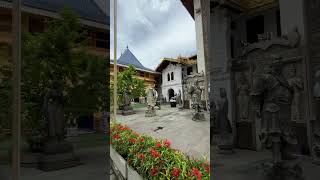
[154, 159]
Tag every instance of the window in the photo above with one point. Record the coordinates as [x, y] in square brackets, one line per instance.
[189, 70]
[102, 40]
[255, 26]
[36, 25]
[142, 74]
[278, 24]
[168, 75]
[5, 22]
[172, 77]
[232, 46]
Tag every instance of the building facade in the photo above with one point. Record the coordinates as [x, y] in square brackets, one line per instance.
[174, 73]
[34, 14]
[237, 39]
[149, 76]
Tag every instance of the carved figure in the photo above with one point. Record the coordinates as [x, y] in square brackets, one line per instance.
[297, 85]
[195, 92]
[316, 87]
[224, 125]
[243, 91]
[272, 96]
[152, 97]
[54, 110]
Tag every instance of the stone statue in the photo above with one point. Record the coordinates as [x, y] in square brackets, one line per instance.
[152, 96]
[272, 97]
[316, 146]
[126, 98]
[195, 91]
[316, 126]
[56, 146]
[297, 86]
[179, 100]
[126, 108]
[223, 123]
[54, 109]
[316, 87]
[243, 91]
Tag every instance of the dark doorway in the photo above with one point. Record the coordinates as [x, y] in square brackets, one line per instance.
[86, 122]
[170, 93]
[255, 26]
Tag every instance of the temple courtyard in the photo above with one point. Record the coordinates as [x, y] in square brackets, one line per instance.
[186, 135]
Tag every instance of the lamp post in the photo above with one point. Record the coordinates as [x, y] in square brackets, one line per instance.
[115, 67]
[16, 78]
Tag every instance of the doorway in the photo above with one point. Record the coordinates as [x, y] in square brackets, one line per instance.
[170, 93]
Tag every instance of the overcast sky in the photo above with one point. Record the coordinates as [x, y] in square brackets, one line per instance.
[153, 29]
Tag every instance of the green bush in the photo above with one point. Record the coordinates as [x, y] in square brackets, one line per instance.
[155, 159]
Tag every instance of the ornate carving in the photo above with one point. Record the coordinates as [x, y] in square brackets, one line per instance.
[243, 91]
[297, 85]
[316, 87]
[272, 95]
[292, 39]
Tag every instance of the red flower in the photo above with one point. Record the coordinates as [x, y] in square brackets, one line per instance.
[154, 171]
[196, 172]
[133, 140]
[141, 139]
[129, 161]
[176, 172]
[158, 145]
[155, 153]
[207, 167]
[116, 137]
[167, 143]
[141, 156]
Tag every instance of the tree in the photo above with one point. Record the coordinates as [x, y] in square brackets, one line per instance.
[128, 80]
[59, 53]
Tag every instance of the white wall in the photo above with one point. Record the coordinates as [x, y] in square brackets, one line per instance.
[175, 84]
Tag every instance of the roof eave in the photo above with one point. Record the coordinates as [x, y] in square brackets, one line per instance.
[154, 72]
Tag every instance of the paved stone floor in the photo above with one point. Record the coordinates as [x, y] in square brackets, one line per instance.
[246, 164]
[93, 168]
[186, 135]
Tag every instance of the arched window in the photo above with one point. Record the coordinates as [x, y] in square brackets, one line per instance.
[168, 76]
[172, 77]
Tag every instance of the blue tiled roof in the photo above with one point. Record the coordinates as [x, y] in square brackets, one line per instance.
[85, 9]
[127, 58]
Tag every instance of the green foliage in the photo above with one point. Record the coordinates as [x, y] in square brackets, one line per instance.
[5, 95]
[154, 158]
[5, 85]
[127, 80]
[59, 53]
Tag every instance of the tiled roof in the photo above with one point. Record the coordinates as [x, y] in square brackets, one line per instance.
[85, 9]
[127, 58]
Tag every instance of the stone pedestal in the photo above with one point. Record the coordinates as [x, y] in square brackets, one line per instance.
[30, 160]
[126, 110]
[150, 113]
[286, 170]
[199, 116]
[225, 149]
[225, 144]
[57, 155]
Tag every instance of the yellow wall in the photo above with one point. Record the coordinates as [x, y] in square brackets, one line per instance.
[149, 78]
[6, 35]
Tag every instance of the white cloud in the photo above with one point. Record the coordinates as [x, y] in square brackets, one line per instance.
[154, 29]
